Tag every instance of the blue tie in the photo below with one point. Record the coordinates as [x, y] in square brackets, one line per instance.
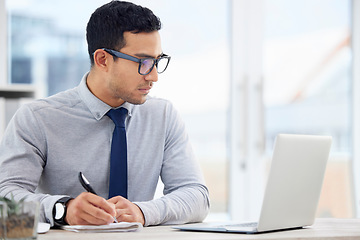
[118, 157]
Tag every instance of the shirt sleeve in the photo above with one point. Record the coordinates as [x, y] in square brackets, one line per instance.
[22, 159]
[186, 198]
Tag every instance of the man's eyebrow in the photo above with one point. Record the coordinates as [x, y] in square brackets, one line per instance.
[144, 55]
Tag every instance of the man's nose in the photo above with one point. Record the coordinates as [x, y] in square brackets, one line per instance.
[153, 75]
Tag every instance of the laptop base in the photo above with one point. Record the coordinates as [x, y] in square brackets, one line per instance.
[215, 229]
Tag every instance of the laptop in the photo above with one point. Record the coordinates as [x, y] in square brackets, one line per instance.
[293, 188]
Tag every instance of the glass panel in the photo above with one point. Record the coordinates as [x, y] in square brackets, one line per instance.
[307, 90]
[192, 41]
[48, 48]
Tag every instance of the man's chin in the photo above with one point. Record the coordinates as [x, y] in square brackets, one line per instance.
[137, 102]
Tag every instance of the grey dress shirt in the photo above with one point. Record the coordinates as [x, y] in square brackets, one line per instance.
[49, 141]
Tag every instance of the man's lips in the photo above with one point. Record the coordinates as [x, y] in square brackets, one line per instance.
[145, 90]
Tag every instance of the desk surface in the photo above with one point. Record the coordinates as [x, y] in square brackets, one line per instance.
[322, 229]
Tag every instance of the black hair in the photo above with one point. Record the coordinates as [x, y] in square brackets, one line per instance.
[108, 23]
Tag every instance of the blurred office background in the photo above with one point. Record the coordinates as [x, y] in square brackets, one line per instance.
[241, 72]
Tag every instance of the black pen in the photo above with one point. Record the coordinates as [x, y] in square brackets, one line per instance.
[85, 183]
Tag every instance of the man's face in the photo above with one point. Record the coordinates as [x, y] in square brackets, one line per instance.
[124, 83]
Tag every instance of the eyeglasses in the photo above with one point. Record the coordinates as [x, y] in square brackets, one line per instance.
[146, 65]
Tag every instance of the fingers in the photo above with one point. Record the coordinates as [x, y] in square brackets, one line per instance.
[127, 211]
[102, 204]
[90, 209]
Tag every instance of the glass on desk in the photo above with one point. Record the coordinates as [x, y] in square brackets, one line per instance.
[2, 220]
[18, 220]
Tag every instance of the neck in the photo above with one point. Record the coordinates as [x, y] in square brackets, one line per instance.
[96, 84]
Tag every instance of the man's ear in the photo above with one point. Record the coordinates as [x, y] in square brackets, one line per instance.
[101, 59]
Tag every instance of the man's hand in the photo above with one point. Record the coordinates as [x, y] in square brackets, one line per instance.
[127, 211]
[89, 209]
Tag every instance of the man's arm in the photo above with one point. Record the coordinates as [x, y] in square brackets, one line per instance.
[186, 205]
[22, 159]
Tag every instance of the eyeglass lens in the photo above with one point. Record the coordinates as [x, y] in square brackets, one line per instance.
[147, 65]
[162, 64]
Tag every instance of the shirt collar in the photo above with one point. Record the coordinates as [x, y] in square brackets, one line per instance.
[97, 107]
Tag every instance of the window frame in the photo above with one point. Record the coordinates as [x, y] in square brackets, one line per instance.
[247, 135]
[355, 41]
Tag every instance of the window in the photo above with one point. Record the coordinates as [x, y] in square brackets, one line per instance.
[307, 87]
[292, 73]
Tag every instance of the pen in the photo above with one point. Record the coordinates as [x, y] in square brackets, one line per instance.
[85, 183]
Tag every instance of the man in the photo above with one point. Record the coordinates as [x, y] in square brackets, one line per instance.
[48, 142]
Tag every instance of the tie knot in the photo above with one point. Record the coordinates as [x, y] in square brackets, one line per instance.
[118, 116]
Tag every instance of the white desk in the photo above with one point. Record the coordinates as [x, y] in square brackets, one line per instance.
[322, 229]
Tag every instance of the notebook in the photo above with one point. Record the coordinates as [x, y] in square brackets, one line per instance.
[293, 187]
[112, 227]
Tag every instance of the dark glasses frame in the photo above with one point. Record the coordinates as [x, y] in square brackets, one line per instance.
[140, 60]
